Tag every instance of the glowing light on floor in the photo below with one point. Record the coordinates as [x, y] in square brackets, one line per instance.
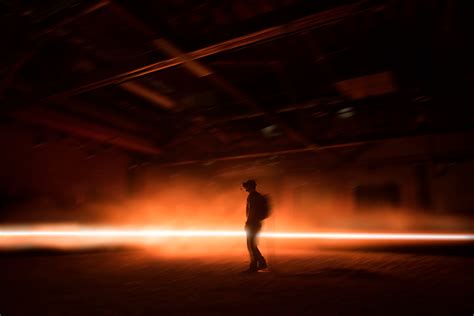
[157, 233]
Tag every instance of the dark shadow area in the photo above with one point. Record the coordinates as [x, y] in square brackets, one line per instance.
[465, 250]
[337, 272]
[43, 252]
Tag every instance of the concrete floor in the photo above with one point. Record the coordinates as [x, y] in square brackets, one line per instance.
[393, 280]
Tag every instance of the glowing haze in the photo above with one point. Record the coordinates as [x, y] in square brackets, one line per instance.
[183, 212]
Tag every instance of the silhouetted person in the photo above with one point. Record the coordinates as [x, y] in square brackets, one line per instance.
[257, 211]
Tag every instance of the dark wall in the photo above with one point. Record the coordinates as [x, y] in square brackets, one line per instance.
[57, 170]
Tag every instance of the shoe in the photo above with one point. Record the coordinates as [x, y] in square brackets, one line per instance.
[262, 266]
[250, 271]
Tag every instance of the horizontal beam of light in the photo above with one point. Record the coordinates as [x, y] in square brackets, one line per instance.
[146, 233]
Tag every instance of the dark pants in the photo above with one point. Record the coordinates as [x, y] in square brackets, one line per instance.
[256, 258]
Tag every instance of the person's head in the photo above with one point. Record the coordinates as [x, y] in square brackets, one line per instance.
[250, 185]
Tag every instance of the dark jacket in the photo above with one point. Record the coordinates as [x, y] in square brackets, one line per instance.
[254, 205]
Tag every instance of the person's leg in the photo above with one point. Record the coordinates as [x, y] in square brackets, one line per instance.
[258, 260]
[251, 248]
[262, 264]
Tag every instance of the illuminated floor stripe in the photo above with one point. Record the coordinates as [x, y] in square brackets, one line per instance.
[139, 233]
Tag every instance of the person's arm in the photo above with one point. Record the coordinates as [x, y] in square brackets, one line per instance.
[247, 212]
[247, 209]
[251, 205]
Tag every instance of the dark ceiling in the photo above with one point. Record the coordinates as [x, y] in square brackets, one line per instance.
[195, 80]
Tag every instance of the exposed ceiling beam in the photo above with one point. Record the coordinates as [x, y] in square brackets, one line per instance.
[291, 108]
[149, 94]
[105, 114]
[247, 101]
[90, 8]
[261, 154]
[24, 57]
[138, 89]
[200, 70]
[61, 122]
[309, 22]
[365, 143]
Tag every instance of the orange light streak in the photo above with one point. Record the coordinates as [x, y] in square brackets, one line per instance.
[166, 233]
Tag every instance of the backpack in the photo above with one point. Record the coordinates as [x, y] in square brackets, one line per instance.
[264, 207]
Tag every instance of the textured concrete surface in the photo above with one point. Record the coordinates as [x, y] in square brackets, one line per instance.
[389, 280]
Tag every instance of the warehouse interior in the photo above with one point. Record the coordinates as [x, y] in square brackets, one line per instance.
[353, 116]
